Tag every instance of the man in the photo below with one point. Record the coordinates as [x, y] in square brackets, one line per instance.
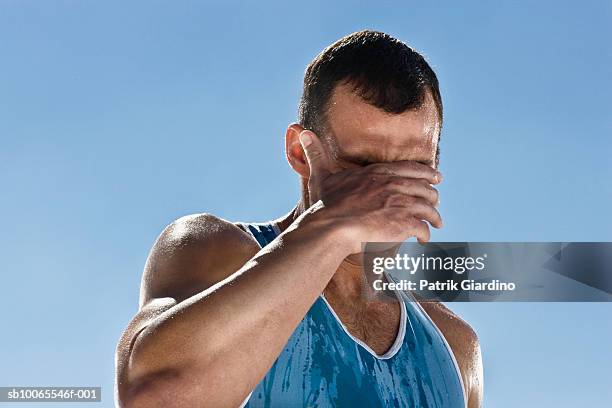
[273, 314]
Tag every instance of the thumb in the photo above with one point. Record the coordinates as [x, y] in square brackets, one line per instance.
[317, 158]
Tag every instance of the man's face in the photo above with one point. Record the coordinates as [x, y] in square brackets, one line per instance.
[363, 134]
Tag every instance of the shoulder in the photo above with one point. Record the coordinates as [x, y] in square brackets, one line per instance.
[202, 230]
[193, 253]
[464, 344]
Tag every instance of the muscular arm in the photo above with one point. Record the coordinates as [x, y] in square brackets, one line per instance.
[215, 313]
[207, 322]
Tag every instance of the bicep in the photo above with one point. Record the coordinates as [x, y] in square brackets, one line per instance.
[192, 254]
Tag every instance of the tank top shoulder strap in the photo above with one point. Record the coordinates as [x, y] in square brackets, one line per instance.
[263, 232]
[416, 312]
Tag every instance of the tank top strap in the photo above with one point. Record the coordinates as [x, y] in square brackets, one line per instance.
[263, 232]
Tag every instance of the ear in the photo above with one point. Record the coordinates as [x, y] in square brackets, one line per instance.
[294, 151]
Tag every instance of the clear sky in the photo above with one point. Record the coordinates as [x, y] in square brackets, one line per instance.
[117, 117]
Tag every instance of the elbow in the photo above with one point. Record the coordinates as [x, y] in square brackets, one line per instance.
[152, 374]
[147, 380]
[172, 388]
[143, 378]
[154, 390]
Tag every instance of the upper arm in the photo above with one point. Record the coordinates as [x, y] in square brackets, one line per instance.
[465, 346]
[190, 255]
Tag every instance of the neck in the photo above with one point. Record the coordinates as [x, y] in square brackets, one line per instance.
[301, 206]
[286, 220]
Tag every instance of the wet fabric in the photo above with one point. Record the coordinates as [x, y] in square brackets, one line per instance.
[322, 365]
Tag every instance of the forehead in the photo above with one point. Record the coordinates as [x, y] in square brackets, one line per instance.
[365, 133]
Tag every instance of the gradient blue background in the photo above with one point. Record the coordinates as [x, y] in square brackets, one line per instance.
[116, 118]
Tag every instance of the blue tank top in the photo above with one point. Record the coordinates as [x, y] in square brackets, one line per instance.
[323, 365]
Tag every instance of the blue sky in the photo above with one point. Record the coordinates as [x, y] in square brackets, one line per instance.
[116, 118]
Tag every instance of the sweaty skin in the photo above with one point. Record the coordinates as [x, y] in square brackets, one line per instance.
[216, 310]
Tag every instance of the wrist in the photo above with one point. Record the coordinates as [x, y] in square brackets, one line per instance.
[317, 220]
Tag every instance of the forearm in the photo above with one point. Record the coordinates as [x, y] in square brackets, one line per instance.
[239, 326]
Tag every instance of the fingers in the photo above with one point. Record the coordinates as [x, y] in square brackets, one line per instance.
[415, 207]
[413, 195]
[420, 230]
[414, 187]
[422, 210]
[316, 154]
[409, 169]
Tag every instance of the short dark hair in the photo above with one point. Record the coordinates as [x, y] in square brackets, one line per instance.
[384, 71]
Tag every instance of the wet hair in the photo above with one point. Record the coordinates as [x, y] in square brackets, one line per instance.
[383, 70]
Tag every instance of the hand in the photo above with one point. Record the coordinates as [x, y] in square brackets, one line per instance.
[382, 202]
